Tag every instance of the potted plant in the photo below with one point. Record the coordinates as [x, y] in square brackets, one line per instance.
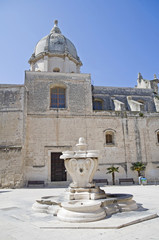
[112, 170]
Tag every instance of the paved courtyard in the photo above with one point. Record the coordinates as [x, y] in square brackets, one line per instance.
[18, 221]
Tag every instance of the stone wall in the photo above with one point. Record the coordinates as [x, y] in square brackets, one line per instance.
[12, 134]
[12, 167]
[134, 141]
[30, 130]
[78, 92]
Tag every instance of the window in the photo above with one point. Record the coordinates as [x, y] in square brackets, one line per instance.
[142, 106]
[109, 137]
[97, 105]
[58, 98]
[158, 137]
[56, 69]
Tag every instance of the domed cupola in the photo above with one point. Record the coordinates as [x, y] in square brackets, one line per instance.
[55, 53]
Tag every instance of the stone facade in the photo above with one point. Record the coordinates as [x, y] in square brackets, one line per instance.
[32, 131]
[12, 132]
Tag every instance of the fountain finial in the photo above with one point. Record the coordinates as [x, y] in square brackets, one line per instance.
[81, 145]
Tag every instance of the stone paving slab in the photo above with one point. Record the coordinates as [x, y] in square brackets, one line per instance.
[18, 221]
[116, 221]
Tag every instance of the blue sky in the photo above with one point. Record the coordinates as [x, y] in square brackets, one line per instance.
[115, 39]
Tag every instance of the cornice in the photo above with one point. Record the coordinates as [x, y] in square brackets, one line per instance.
[64, 55]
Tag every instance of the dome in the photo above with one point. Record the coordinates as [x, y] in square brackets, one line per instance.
[55, 44]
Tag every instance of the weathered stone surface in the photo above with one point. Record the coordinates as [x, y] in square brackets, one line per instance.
[12, 135]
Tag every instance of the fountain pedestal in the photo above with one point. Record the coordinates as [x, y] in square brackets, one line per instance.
[82, 165]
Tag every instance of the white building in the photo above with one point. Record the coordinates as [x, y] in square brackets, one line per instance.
[57, 104]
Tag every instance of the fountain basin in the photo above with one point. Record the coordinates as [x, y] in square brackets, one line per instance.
[81, 206]
[81, 211]
[86, 210]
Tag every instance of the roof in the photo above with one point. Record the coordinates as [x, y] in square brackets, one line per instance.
[55, 43]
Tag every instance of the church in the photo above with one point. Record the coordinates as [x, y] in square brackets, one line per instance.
[57, 105]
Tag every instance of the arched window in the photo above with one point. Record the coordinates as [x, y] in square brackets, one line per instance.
[56, 69]
[58, 98]
[109, 137]
[97, 104]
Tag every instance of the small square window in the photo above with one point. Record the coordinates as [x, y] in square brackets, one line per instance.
[97, 105]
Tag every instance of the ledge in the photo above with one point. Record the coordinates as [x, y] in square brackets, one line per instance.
[9, 147]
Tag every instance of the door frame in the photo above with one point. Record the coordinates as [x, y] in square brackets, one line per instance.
[54, 149]
[53, 164]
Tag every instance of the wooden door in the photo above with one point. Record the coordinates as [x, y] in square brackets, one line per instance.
[58, 172]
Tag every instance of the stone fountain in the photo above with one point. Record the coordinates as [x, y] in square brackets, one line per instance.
[84, 201]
